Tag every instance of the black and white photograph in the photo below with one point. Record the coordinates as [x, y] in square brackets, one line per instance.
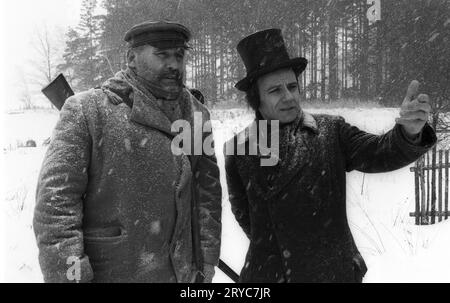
[231, 141]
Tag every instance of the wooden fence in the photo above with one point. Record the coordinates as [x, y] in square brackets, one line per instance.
[431, 187]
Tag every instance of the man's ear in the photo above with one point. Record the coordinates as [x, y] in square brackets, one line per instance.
[131, 58]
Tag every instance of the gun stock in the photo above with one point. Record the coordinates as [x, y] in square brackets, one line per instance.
[58, 91]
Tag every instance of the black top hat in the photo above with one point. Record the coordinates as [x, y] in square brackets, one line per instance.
[264, 52]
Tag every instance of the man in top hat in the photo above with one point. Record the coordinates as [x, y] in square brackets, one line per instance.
[294, 212]
[114, 204]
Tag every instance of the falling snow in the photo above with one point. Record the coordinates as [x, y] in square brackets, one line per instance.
[155, 227]
[127, 144]
[393, 247]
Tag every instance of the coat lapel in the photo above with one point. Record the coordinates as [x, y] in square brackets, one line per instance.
[146, 111]
[193, 114]
[299, 154]
[293, 162]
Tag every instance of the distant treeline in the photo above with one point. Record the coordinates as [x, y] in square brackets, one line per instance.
[349, 58]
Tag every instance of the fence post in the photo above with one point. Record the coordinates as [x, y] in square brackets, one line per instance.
[433, 185]
[428, 164]
[440, 186]
[446, 184]
[423, 214]
[416, 183]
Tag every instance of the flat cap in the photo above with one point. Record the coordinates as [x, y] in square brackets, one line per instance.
[160, 34]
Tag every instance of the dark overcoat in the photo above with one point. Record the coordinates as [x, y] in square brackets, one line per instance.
[294, 213]
[112, 194]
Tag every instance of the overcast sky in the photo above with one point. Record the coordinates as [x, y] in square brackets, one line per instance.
[23, 17]
[20, 19]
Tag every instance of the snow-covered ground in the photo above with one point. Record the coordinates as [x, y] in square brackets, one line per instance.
[378, 205]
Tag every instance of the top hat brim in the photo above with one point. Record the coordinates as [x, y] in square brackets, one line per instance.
[297, 64]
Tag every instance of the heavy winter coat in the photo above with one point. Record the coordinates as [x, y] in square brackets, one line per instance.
[294, 213]
[112, 193]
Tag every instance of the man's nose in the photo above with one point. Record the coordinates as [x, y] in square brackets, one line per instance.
[287, 94]
[172, 63]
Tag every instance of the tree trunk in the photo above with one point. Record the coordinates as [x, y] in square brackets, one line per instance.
[332, 56]
[364, 55]
[323, 56]
[379, 60]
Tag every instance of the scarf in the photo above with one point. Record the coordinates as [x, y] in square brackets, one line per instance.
[154, 88]
[124, 84]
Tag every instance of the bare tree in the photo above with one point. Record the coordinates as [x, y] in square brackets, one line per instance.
[23, 90]
[48, 47]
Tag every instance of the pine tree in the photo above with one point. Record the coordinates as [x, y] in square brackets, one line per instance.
[347, 57]
[86, 66]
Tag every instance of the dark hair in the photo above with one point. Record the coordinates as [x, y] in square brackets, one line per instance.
[252, 96]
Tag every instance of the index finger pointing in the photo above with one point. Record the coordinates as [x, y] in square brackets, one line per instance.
[412, 91]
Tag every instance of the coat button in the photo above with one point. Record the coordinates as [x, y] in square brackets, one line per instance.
[286, 254]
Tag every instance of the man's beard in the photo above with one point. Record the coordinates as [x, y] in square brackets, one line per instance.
[164, 85]
[171, 80]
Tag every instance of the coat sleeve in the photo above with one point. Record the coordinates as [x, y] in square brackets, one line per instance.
[237, 195]
[370, 153]
[58, 212]
[208, 193]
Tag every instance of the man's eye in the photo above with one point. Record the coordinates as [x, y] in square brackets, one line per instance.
[275, 90]
[293, 87]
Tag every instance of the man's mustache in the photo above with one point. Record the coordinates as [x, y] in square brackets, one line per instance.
[176, 75]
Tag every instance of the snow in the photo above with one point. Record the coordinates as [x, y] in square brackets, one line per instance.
[23, 126]
[22, 167]
[378, 205]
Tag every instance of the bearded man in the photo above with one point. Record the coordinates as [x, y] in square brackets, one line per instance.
[114, 204]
